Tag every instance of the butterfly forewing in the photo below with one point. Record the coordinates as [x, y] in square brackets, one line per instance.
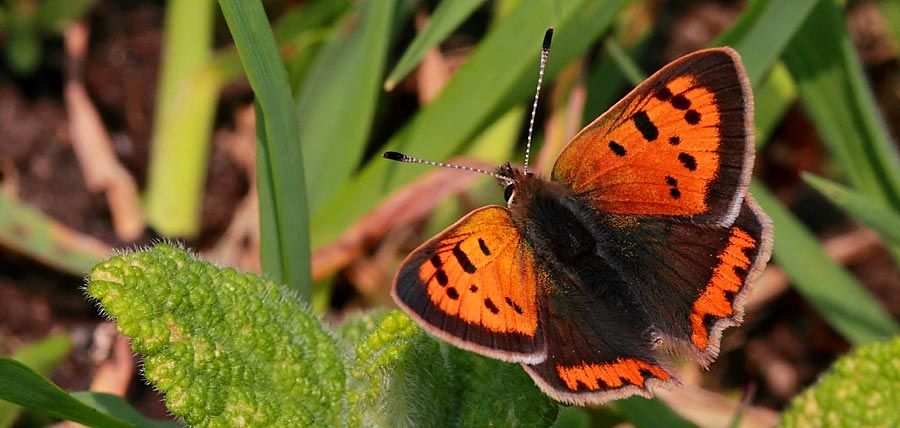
[474, 285]
[680, 144]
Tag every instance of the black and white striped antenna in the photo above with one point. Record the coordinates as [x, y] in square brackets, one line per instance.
[545, 53]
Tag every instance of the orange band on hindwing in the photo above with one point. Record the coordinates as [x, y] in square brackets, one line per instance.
[616, 374]
[717, 298]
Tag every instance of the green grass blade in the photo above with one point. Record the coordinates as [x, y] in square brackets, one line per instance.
[834, 93]
[337, 107]
[284, 221]
[23, 386]
[118, 407]
[42, 357]
[500, 73]
[33, 233]
[773, 98]
[869, 211]
[181, 132]
[447, 17]
[311, 15]
[761, 34]
[763, 31]
[837, 295]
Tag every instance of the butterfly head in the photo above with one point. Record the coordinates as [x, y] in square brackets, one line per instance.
[512, 179]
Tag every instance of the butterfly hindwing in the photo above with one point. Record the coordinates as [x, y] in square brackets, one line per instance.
[599, 345]
[474, 285]
[694, 278]
[680, 144]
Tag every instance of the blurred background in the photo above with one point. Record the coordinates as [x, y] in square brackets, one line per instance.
[122, 123]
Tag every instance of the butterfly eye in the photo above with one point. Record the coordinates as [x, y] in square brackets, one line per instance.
[508, 192]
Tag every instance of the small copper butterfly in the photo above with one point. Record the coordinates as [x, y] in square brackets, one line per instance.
[642, 240]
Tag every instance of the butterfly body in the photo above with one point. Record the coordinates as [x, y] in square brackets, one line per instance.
[642, 239]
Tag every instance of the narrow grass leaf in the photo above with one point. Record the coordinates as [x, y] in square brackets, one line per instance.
[36, 235]
[500, 73]
[869, 211]
[338, 102]
[120, 408]
[181, 130]
[284, 220]
[42, 356]
[833, 89]
[772, 98]
[23, 386]
[763, 31]
[446, 17]
[840, 299]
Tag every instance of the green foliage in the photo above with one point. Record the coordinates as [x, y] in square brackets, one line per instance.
[27, 22]
[230, 348]
[225, 347]
[181, 139]
[861, 389]
[283, 212]
[42, 357]
[25, 387]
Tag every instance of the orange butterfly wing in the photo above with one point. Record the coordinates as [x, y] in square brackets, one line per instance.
[475, 286]
[680, 144]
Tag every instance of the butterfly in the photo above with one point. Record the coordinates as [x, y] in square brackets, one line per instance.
[643, 240]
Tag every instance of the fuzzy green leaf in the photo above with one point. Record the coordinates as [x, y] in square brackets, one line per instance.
[399, 376]
[226, 348]
[862, 389]
[495, 393]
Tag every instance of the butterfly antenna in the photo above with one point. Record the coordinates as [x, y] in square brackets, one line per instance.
[545, 53]
[400, 157]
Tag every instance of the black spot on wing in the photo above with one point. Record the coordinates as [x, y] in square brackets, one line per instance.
[688, 161]
[674, 140]
[617, 148]
[673, 187]
[681, 102]
[513, 305]
[463, 259]
[473, 288]
[441, 277]
[692, 117]
[452, 293]
[646, 127]
[489, 304]
[484, 248]
[663, 94]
